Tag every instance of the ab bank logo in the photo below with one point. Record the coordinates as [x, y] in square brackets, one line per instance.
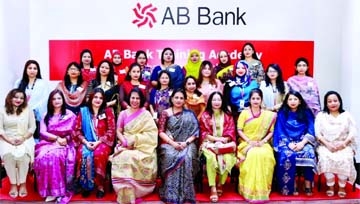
[144, 15]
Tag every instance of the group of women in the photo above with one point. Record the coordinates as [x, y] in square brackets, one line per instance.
[157, 122]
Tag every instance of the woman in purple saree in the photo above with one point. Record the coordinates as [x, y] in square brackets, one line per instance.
[55, 153]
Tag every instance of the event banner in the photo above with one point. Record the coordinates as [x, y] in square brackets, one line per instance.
[284, 53]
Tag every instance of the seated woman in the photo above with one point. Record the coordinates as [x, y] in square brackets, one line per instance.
[255, 128]
[335, 129]
[138, 136]
[218, 143]
[95, 131]
[178, 130]
[55, 153]
[294, 144]
[17, 125]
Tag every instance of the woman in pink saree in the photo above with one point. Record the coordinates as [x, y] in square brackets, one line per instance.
[134, 162]
[55, 153]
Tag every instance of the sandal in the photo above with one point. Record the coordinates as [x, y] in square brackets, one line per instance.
[330, 191]
[13, 193]
[342, 193]
[214, 196]
[296, 191]
[219, 190]
[308, 191]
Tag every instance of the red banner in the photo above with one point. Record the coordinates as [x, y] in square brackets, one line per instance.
[283, 53]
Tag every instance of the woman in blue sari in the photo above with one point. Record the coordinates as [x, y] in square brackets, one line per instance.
[294, 144]
[178, 130]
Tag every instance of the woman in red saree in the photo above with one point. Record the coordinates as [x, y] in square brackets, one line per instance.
[95, 132]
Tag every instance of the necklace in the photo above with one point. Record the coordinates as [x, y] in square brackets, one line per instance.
[255, 115]
[176, 115]
[33, 84]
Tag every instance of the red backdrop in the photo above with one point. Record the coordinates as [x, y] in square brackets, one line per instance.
[283, 53]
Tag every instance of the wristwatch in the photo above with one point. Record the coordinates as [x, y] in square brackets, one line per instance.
[187, 143]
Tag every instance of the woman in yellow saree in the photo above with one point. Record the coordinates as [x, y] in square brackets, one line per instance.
[255, 128]
[134, 162]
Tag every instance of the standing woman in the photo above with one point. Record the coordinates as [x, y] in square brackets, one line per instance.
[195, 100]
[224, 69]
[141, 59]
[36, 90]
[95, 133]
[178, 130]
[87, 65]
[133, 80]
[73, 87]
[207, 83]
[218, 143]
[192, 67]
[335, 129]
[119, 71]
[305, 84]
[274, 88]
[106, 81]
[255, 128]
[160, 97]
[55, 153]
[237, 90]
[256, 69]
[168, 63]
[136, 149]
[294, 144]
[17, 125]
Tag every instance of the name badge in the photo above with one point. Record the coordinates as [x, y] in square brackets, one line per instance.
[122, 71]
[171, 70]
[80, 89]
[102, 116]
[242, 103]
[155, 116]
[141, 86]
[93, 69]
[311, 84]
[147, 73]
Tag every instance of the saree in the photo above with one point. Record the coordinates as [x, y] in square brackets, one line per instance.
[256, 70]
[308, 89]
[54, 164]
[91, 165]
[134, 170]
[336, 130]
[160, 99]
[224, 73]
[218, 125]
[256, 170]
[178, 168]
[195, 103]
[289, 129]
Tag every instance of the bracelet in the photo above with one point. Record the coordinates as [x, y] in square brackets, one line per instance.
[187, 143]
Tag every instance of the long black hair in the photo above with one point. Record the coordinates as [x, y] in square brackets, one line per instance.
[50, 106]
[25, 77]
[301, 109]
[279, 79]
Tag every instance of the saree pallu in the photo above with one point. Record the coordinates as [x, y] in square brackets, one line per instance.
[256, 171]
[291, 130]
[178, 168]
[91, 165]
[55, 164]
[134, 170]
